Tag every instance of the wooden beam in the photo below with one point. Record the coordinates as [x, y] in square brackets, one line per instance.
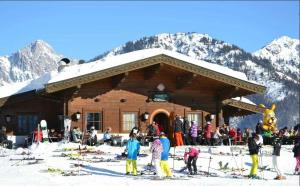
[118, 79]
[185, 80]
[150, 71]
[227, 93]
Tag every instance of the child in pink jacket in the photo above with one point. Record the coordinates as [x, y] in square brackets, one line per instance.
[190, 157]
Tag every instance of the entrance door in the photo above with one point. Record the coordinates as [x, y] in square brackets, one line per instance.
[163, 120]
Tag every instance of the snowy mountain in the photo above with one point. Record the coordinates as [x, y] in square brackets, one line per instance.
[283, 54]
[28, 63]
[276, 66]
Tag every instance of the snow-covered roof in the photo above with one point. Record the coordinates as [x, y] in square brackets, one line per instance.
[243, 99]
[107, 63]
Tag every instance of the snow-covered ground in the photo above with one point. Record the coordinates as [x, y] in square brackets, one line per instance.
[16, 173]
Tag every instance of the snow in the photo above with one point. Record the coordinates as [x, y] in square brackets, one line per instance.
[110, 62]
[243, 99]
[14, 173]
[275, 91]
[280, 48]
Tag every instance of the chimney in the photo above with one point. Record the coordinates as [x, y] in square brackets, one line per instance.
[64, 62]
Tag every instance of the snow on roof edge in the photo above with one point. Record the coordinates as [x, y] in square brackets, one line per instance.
[110, 62]
[244, 100]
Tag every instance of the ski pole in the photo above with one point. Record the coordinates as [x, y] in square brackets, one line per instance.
[174, 158]
[209, 165]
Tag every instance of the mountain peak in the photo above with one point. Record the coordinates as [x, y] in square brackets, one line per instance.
[282, 48]
[39, 46]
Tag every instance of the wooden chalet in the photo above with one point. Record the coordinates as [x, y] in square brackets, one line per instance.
[130, 90]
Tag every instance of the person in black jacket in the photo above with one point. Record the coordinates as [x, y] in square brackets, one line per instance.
[258, 128]
[186, 129]
[253, 150]
[277, 142]
[178, 131]
[296, 151]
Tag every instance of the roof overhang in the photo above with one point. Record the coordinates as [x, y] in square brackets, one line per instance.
[234, 107]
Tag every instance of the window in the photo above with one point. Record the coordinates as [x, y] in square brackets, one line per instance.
[94, 119]
[130, 120]
[195, 117]
[27, 123]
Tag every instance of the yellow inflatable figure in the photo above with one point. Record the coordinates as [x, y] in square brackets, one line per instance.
[269, 120]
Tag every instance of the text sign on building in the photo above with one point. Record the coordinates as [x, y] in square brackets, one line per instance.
[160, 97]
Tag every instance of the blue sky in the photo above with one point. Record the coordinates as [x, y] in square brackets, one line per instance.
[84, 30]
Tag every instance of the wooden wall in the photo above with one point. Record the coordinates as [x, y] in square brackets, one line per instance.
[107, 97]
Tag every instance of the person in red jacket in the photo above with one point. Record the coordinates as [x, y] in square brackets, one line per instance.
[190, 158]
[208, 129]
[38, 135]
[232, 135]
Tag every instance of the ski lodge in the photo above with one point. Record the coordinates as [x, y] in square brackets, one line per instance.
[128, 90]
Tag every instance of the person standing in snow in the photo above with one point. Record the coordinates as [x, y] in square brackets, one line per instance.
[133, 149]
[296, 151]
[178, 131]
[156, 150]
[277, 142]
[165, 155]
[186, 131]
[208, 129]
[194, 132]
[253, 150]
[190, 158]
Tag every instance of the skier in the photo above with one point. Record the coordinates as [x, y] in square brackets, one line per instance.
[277, 142]
[156, 150]
[253, 150]
[178, 131]
[134, 131]
[296, 151]
[165, 155]
[190, 158]
[132, 148]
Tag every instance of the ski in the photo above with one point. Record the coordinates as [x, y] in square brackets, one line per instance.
[26, 159]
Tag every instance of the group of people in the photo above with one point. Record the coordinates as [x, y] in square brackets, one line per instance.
[77, 136]
[255, 143]
[185, 132]
[160, 154]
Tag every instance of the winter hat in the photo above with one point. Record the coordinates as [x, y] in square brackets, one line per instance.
[157, 142]
[187, 149]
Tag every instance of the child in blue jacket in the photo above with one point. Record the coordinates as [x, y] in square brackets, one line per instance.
[132, 148]
[165, 155]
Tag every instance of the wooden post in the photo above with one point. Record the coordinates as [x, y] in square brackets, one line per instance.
[218, 108]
